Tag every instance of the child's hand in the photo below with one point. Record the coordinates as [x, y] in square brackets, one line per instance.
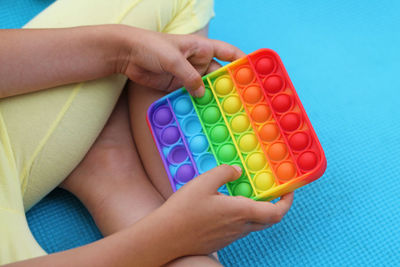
[168, 61]
[206, 221]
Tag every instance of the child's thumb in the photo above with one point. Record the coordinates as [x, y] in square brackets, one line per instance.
[221, 175]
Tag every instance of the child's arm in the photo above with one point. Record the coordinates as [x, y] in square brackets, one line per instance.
[196, 220]
[35, 59]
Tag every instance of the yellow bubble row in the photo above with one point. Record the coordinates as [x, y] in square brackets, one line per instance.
[255, 163]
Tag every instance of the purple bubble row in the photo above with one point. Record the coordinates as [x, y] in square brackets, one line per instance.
[167, 134]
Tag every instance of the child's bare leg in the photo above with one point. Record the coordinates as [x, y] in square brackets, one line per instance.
[110, 180]
[113, 185]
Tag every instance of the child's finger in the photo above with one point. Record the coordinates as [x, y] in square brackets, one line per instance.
[268, 213]
[285, 202]
[180, 67]
[226, 52]
[220, 175]
[254, 227]
[214, 65]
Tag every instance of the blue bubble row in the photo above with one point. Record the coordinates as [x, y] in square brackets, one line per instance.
[192, 130]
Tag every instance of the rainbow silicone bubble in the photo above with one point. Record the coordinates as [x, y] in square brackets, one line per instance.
[232, 104]
[281, 103]
[273, 83]
[243, 189]
[177, 155]
[269, 132]
[260, 113]
[250, 115]
[206, 163]
[290, 121]
[264, 181]
[252, 94]
[191, 125]
[184, 173]
[256, 161]
[205, 99]
[277, 151]
[183, 106]
[299, 141]
[240, 123]
[211, 115]
[244, 75]
[223, 85]
[265, 65]
[227, 153]
[248, 142]
[198, 143]
[162, 116]
[170, 135]
[219, 133]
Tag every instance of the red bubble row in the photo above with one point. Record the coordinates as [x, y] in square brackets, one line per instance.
[286, 110]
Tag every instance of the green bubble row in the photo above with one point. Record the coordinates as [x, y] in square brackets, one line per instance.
[220, 139]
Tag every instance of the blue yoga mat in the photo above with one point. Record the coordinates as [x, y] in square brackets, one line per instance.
[343, 58]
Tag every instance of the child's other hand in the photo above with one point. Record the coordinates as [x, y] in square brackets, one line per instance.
[168, 61]
[206, 221]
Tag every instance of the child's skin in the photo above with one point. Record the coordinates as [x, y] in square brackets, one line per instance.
[121, 180]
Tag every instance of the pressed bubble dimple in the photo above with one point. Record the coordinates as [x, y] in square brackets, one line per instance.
[162, 116]
[264, 180]
[219, 133]
[269, 132]
[282, 103]
[232, 104]
[243, 189]
[286, 171]
[183, 106]
[248, 142]
[211, 115]
[265, 65]
[256, 161]
[170, 135]
[184, 173]
[273, 84]
[177, 155]
[244, 75]
[198, 144]
[206, 163]
[223, 85]
[307, 161]
[240, 123]
[191, 125]
[252, 94]
[277, 151]
[290, 121]
[260, 113]
[205, 99]
[299, 140]
[226, 153]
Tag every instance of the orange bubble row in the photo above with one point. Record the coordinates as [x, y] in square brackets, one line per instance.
[262, 120]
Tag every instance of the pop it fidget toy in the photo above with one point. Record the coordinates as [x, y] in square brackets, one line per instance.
[250, 115]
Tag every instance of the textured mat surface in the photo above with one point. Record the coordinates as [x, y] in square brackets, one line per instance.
[343, 59]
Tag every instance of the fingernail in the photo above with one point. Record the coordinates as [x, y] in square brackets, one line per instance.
[237, 168]
[199, 92]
